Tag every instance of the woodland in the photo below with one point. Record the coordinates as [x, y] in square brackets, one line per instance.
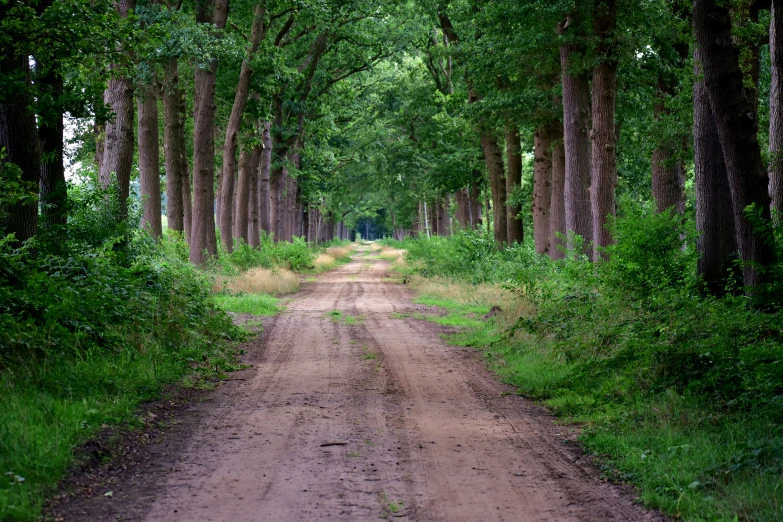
[614, 164]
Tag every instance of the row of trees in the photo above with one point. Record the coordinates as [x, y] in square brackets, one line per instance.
[307, 118]
[610, 98]
[221, 92]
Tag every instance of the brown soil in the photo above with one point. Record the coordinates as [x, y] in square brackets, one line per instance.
[354, 419]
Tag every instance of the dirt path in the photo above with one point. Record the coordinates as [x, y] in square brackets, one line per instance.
[357, 416]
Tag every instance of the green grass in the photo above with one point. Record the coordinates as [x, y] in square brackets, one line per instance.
[452, 306]
[255, 304]
[47, 409]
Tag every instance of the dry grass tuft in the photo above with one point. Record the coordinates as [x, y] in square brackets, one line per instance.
[483, 294]
[392, 254]
[260, 281]
[324, 262]
[339, 252]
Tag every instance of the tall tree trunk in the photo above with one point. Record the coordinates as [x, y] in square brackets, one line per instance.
[733, 106]
[149, 161]
[234, 124]
[604, 134]
[19, 137]
[254, 225]
[776, 106]
[717, 243]
[462, 198]
[306, 224]
[118, 142]
[264, 188]
[513, 179]
[494, 160]
[475, 199]
[202, 234]
[54, 191]
[173, 146]
[542, 188]
[243, 193]
[557, 214]
[668, 174]
[187, 200]
[576, 134]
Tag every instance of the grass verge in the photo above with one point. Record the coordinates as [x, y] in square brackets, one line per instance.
[673, 394]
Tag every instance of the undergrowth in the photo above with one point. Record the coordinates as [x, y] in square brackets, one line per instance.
[95, 318]
[678, 393]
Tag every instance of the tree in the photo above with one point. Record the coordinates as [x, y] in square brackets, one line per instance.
[735, 115]
[202, 233]
[576, 132]
[118, 143]
[603, 134]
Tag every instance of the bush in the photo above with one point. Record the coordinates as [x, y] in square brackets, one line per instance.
[94, 318]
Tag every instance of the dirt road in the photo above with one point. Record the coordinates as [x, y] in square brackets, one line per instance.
[350, 414]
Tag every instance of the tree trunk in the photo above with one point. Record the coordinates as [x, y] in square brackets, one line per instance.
[19, 137]
[117, 157]
[264, 193]
[717, 243]
[445, 217]
[149, 161]
[604, 134]
[668, 174]
[173, 146]
[733, 107]
[187, 200]
[243, 193]
[475, 200]
[494, 160]
[776, 106]
[54, 191]
[557, 214]
[576, 134]
[542, 189]
[462, 198]
[202, 235]
[233, 126]
[254, 225]
[513, 180]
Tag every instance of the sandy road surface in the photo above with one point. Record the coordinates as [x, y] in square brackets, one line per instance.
[418, 430]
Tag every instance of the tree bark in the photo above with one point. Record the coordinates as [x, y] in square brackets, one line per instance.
[54, 191]
[557, 214]
[717, 243]
[187, 201]
[173, 146]
[542, 189]
[576, 134]
[118, 142]
[494, 161]
[254, 226]
[604, 133]
[243, 194]
[202, 234]
[149, 161]
[264, 191]
[733, 106]
[475, 199]
[668, 174]
[234, 123]
[513, 179]
[19, 137]
[776, 106]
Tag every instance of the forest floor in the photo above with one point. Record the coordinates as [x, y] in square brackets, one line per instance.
[352, 409]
